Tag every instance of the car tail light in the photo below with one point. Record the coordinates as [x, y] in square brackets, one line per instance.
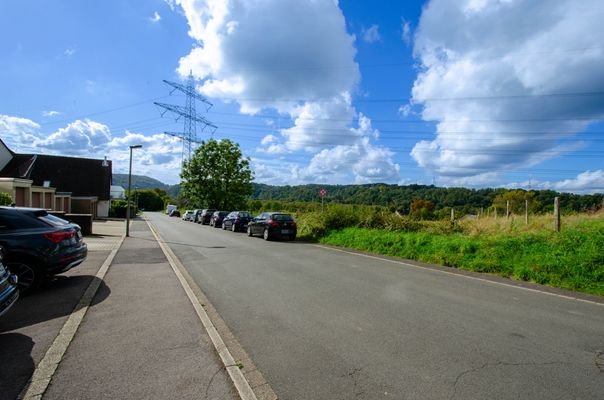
[238, 219]
[273, 223]
[58, 237]
[293, 224]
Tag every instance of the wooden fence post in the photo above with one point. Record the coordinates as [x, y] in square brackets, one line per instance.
[507, 209]
[557, 214]
[526, 212]
[495, 212]
[452, 215]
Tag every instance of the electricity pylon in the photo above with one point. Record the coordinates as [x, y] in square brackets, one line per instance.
[188, 114]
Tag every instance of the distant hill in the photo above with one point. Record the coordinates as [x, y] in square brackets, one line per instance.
[144, 182]
[395, 196]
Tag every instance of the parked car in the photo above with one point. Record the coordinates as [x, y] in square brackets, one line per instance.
[196, 215]
[217, 217]
[236, 221]
[206, 215]
[170, 208]
[174, 213]
[188, 215]
[9, 293]
[39, 245]
[272, 225]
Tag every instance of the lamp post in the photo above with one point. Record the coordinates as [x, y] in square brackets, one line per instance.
[136, 146]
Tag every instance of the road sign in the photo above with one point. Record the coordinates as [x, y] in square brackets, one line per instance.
[323, 192]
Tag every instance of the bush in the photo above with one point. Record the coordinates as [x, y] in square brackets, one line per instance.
[119, 208]
[5, 199]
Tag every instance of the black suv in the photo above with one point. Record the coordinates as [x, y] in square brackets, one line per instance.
[39, 245]
[272, 225]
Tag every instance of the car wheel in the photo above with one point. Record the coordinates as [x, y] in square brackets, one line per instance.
[233, 227]
[249, 231]
[266, 235]
[30, 275]
[223, 227]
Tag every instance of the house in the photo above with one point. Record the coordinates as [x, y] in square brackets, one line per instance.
[118, 192]
[70, 184]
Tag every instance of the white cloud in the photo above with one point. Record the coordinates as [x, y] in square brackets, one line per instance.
[79, 137]
[372, 34]
[306, 74]
[69, 52]
[242, 59]
[486, 76]
[585, 182]
[406, 32]
[50, 113]
[155, 18]
[171, 4]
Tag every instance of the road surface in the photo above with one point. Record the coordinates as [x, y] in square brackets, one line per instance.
[325, 324]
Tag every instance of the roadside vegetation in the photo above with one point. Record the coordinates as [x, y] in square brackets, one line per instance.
[571, 259]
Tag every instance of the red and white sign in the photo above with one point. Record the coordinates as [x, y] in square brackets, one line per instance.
[323, 192]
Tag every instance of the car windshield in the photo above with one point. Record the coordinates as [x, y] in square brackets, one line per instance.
[245, 214]
[282, 217]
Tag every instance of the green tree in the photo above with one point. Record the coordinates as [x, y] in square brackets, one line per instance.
[516, 199]
[5, 199]
[217, 176]
[422, 209]
[150, 199]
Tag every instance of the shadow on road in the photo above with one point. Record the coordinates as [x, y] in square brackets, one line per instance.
[59, 298]
[16, 363]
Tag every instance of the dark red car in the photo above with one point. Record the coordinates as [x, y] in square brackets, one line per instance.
[273, 225]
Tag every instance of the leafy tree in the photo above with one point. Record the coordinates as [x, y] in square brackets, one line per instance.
[151, 199]
[422, 209]
[5, 199]
[516, 199]
[217, 176]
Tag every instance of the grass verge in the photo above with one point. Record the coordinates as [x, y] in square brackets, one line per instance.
[572, 259]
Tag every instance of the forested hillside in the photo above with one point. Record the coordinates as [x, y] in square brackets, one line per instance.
[401, 197]
[144, 182]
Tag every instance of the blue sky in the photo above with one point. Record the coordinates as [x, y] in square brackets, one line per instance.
[471, 93]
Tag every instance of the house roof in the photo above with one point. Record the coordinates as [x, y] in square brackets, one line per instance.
[80, 176]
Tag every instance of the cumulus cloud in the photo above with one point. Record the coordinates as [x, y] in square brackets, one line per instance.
[372, 34]
[79, 137]
[504, 91]
[306, 74]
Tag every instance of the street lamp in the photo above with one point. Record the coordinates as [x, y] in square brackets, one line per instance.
[136, 146]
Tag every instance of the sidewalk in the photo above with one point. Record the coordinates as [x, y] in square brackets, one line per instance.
[141, 337]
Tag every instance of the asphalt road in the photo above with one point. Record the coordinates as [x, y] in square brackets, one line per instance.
[324, 324]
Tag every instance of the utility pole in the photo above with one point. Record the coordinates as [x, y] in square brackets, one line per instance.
[188, 113]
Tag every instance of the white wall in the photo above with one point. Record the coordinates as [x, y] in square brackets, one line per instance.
[102, 208]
